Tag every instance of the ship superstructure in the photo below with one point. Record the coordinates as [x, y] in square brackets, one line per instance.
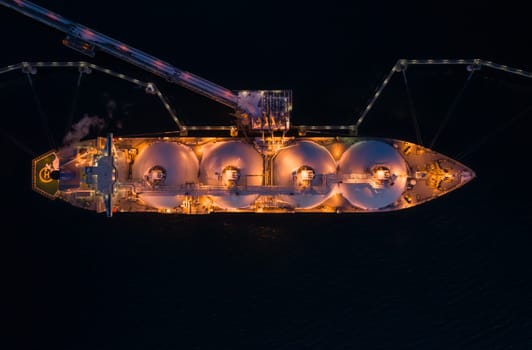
[263, 165]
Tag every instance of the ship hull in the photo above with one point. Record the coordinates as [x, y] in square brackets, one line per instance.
[202, 175]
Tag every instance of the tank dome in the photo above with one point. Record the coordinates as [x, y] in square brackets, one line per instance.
[166, 164]
[373, 174]
[304, 168]
[231, 163]
[235, 166]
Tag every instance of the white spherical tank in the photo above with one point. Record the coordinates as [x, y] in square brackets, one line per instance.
[304, 168]
[231, 163]
[234, 166]
[166, 164]
[373, 174]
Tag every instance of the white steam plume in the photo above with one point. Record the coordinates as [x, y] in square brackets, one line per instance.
[82, 128]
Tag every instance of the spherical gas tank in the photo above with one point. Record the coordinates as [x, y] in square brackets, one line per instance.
[373, 174]
[236, 161]
[304, 167]
[166, 164]
[235, 167]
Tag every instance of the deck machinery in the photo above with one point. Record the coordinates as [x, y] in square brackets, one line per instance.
[258, 167]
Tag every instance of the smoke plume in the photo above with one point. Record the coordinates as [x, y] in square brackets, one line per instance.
[82, 128]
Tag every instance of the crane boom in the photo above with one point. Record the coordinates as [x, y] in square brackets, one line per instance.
[260, 110]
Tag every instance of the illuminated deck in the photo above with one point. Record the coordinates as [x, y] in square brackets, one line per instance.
[200, 175]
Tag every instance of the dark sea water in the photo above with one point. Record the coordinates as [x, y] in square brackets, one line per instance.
[454, 273]
[450, 274]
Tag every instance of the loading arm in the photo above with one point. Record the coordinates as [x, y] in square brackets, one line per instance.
[260, 110]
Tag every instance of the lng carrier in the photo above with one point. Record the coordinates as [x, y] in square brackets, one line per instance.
[262, 164]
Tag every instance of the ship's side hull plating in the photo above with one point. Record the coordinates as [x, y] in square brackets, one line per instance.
[199, 175]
